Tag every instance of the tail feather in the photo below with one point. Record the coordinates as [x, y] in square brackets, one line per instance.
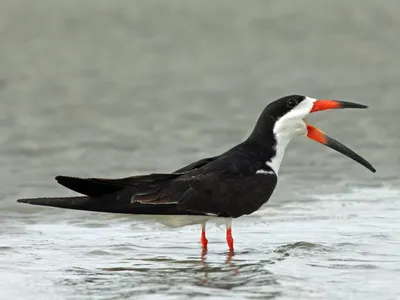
[105, 205]
[80, 202]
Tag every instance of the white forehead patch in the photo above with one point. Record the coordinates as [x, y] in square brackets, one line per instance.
[288, 126]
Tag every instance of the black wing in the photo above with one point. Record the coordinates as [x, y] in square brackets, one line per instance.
[222, 194]
[96, 187]
[106, 204]
[197, 164]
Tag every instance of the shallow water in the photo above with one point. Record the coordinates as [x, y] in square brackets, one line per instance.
[112, 89]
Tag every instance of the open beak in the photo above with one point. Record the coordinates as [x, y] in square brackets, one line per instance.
[317, 135]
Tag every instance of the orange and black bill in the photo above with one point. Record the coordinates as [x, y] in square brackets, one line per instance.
[322, 104]
[317, 135]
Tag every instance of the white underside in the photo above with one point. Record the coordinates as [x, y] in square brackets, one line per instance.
[181, 221]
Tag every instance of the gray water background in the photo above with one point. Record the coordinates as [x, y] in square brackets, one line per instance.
[116, 88]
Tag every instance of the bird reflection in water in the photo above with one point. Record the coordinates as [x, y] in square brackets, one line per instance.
[207, 269]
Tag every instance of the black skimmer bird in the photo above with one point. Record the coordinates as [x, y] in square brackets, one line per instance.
[235, 183]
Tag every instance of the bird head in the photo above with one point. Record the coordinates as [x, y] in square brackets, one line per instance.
[287, 116]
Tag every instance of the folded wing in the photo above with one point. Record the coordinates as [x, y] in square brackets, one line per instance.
[220, 194]
[96, 187]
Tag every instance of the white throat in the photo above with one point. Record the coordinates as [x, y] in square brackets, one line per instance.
[287, 127]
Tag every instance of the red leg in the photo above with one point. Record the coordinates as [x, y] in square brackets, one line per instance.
[229, 238]
[203, 239]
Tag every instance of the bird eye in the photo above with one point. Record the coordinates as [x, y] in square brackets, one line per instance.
[291, 103]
